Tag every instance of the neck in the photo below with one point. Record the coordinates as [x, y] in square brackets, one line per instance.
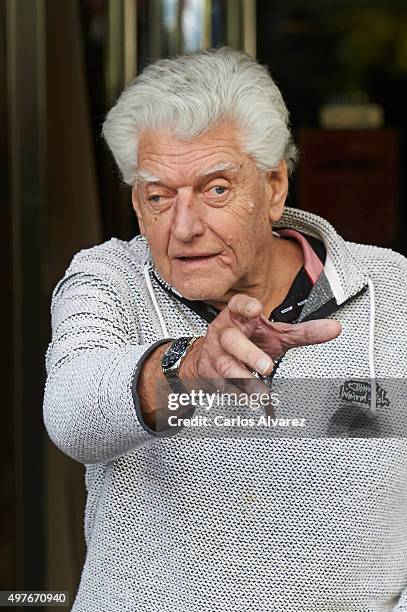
[272, 278]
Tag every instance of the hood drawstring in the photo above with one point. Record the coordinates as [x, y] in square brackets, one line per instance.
[373, 405]
[154, 300]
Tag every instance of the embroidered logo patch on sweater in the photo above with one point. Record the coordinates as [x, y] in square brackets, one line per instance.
[358, 392]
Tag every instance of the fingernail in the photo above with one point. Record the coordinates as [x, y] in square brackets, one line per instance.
[262, 365]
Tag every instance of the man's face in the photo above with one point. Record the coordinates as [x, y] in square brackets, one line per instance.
[205, 210]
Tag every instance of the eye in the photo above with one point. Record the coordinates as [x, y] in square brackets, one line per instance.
[218, 190]
[159, 202]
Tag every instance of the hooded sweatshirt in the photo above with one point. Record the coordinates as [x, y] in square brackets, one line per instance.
[279, 520]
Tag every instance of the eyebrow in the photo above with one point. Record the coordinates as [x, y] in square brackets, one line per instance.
[145, 176]
[220, 167]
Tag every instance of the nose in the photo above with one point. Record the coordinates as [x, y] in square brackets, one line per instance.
[188, 216]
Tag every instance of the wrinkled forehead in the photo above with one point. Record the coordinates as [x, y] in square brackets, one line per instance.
[164, 157]
[229, 167]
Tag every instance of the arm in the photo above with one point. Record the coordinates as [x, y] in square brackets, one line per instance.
[401, 605]
[152, 380]
[91, 408]
[91, 404]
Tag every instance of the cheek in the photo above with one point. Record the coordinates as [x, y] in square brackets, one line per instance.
[244, 229]
[243, 222]
[237, 235]
[157, 232]
[226, 223]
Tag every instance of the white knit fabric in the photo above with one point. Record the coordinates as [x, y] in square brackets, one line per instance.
[223, 524]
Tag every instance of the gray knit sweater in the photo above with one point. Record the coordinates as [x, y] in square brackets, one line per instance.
[231, 524]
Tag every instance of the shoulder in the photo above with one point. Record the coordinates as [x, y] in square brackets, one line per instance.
[131, 253]
[388, 272]
[116, 262]
[379, 260]
[112, 255]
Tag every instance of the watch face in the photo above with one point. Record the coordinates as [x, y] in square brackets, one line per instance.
[174, 352]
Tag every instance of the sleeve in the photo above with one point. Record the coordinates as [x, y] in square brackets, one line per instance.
[401, 605]
[90, 408]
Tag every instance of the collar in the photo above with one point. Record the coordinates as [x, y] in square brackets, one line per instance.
[344, 274]
[342, 278]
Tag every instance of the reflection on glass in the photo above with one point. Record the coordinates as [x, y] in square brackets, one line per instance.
[193, 25]
[170, 10]
[171, 27]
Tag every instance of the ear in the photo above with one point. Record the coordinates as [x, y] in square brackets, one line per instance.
[137, 208]
[277, 189]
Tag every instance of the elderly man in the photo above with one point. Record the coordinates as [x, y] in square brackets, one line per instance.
[219, 285]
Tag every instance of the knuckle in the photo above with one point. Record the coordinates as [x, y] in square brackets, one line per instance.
[227, 336]
[307, 335]
[225, 366]
[201, 368]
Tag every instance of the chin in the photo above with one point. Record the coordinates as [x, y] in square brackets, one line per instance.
[199, 289]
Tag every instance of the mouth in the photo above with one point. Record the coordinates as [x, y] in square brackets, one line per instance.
[196, 259]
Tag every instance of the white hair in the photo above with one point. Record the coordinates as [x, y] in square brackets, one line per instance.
[189, 94]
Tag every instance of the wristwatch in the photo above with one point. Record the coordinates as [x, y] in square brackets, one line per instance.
[171, 361]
